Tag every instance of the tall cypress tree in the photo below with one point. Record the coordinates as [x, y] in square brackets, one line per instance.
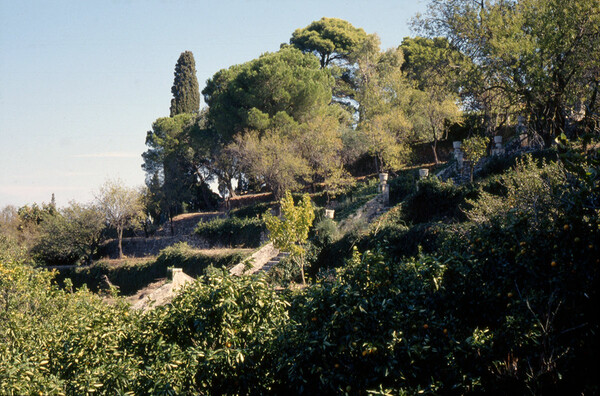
[186, 93]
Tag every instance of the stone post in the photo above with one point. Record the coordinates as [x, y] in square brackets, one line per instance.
[329, 213]
[384, 188]
[522, 132]
[498, 149]
[458, 154]
[176, 278]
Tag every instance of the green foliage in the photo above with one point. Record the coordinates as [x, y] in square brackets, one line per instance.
[331, 38]
[325, 232]
[176, 165]
[35, 214]
[70, 236]
[58, 342]
[185, 90]
[432, 111]
[380, 90]
[286, 81]
[273, 124]
[499, 164]
[508, 305]
[271, 159]
[234, 231]
[285, 273]
[402, 186]
[290, 234]
[252, 211]
[132, 275]
[226, 326]
[354, 198]
[474, 149]
[528, 188]
[492, 313]
[436, 200]
[520, 62]
[121, 206]
[434, 61]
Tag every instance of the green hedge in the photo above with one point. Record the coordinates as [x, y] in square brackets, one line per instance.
[234, 231]
[131, 277]
[436, 200]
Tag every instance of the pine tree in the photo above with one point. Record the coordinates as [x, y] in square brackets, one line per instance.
[186, 93]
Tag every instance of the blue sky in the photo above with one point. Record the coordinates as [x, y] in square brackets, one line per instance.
[82, 81]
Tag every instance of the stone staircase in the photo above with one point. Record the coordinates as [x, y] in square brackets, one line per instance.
[163, 294]
[366, 214]
[273, 262]
[261, 261]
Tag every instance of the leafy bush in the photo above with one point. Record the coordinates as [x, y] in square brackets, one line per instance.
[498, 164]
[436, 200]
[70, 236]
[284, 273]
[356, 197]
[58, 341]
[226, 328]
[325, 232]
[234, 231]
[252, 211]
[402, 186]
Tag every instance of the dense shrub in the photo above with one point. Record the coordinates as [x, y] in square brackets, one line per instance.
[56, 341]
[225, 328]
[234, 231]
[498, 164]
[69, 236]
[324, 232]
[401, 241]
[251, 211]
[402, 186]
[356, 197]
[436, 200]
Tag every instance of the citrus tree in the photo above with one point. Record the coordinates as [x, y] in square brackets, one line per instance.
[291, 233]
[474, 148]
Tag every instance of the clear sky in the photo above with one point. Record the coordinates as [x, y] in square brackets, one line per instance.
[82, 81]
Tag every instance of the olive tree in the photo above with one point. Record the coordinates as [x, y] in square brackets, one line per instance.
[122, 207]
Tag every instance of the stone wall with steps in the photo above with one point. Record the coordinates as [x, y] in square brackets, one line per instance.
[142, 247]
[273, 262]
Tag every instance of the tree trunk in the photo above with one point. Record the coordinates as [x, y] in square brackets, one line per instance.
[120, 237]
[207, 202]
[232, 193]
[434, 146]
[302, 269]
[588, 120]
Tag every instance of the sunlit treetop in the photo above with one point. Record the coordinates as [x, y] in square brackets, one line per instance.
[329, 38]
